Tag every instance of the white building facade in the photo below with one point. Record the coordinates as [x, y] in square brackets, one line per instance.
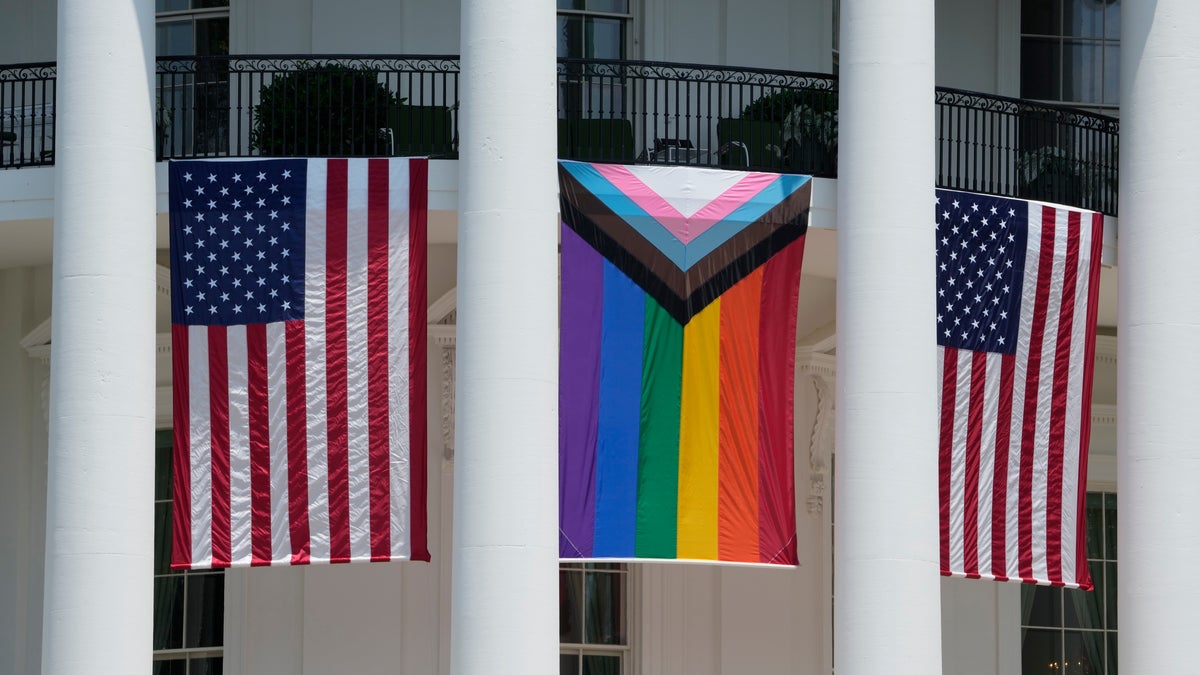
[640, 619]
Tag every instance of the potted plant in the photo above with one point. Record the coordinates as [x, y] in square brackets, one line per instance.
[323, 110]
[1051, 174]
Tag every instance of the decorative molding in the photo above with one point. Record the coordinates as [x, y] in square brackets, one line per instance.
[1106, 349]
[820, 448]
[1104, 415]
[443, 314]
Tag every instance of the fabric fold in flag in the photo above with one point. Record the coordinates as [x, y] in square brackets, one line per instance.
[677, 363]
[1017, 296]
[298, 302]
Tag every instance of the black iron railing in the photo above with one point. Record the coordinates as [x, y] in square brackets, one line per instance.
[27, 95]
[615, 111]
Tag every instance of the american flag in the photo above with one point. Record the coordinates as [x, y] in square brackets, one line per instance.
[298, 351]
[1017, 286]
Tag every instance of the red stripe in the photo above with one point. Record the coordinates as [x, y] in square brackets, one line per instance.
[971, 474]
[1000, 472]
[1032, 377]
[218, 402]
[1082, 574]
[945, 448]
[297, 442]
[377, 359]
[181, 483]
[1058, 404]
[260, 444]
[776, 381]
[418, 191]
[335, 366]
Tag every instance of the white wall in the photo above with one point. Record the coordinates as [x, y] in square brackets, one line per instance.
[27, 30]
[24, 303]
[344, 26]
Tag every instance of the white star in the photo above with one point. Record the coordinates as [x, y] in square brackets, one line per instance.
[249, 215]
[187, 229]
[262, 228]
[187, 283]
[188, 310]
[285, 226]
[945, 215]
[224, 243]
[974, 207]
[978, 299]
[273, 267]
[199, 216]
[947, 332]
[966, 218]
[237, 283]
[974, 324]
[261, 281]
[237, 177]
[942, 267]
[237, 204]
[260, 255]
[187, 203]
[1003, 314]
[237, 309]
[939, 318]
[200, 270]
[287, 200]
[1012, 213]
[1006, 289]
[993, 210]
[261, 202]
[249, 295]
[187, 177]
[211, 230]
[187, 256]
[287, 173]
[249, 190]
[212, 177]
[261, 176]
[200, 296]
[224, 218]
[224, 270]
[1000, 339]
[262, 308]
[285, 253]
[284, 279]
[212, 204]
[212, 256]
[274, 215]
[996, 300]
[237, 256]
[249, 242]
[224, 297]
[199, 189]
[199, 243]
[212, 283]
[274, 189]
[287, 305]
[955, 203]
[274, 293]
[224, 192]
[237, 229]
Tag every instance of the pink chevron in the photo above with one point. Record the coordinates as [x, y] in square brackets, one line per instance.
[684, 229]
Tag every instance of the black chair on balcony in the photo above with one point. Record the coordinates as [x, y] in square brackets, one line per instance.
[596, 140]
[745, 143]
[422, 130]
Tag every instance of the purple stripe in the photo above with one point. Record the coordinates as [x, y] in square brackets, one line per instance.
[578, 393]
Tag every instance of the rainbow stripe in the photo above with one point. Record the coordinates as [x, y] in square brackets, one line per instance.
[676, 437]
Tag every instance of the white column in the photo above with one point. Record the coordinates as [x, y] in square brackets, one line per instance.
[504, 607]
[1158, 430]
[100, 492]
[887, 608]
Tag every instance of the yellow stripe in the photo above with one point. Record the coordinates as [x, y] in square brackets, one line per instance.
[699, 431]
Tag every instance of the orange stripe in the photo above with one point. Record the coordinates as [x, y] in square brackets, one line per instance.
[737, 505]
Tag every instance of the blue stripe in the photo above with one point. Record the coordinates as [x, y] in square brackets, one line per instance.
[754, 209]
[620, 415]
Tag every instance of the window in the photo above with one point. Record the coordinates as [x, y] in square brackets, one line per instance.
[1070, 51]
[1075, 632]
[591, 29]
[193, 103]
[593, 621]
[189, 607]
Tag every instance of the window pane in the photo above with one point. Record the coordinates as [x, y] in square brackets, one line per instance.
[209, 666]
[1083, 18]
[205, 616]
[1041, 68]
[1112, 20]
[1110, 526]
[1042, 605]
[202, 4]
[570, 36]
[570, 607]
[1082, 71]
[1040, 16]
[174, 38]
[605, 609]
[212, 37]
[1112, 74]
[1112, 654]
[605, 38]
[173, 667]
[1041, 652]
[568, 664]
[168, 612]
[162, 538]
[1095, 525]
[1084, 652]
[1110, 594]
[170, 5]
[614, 6]
[570, 4]
[595, 664]
[1084, 609]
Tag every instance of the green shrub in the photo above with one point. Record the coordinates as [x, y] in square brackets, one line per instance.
[323, 111]
[777, 105]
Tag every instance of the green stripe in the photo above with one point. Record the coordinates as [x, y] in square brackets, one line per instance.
[658, 441]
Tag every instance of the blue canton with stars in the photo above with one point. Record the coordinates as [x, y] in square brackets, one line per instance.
[981, 244]
[237, 241]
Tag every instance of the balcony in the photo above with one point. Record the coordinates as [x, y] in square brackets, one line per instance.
[612, 111]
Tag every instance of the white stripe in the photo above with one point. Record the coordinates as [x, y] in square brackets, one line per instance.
[398, 357]
[987, 458]
[357, 416]
[1071, 443]
[200, 435]
[1028, 289]
[958, 457]
[1041, 447]
[314, 377]
[281, 539]
[239, 448]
